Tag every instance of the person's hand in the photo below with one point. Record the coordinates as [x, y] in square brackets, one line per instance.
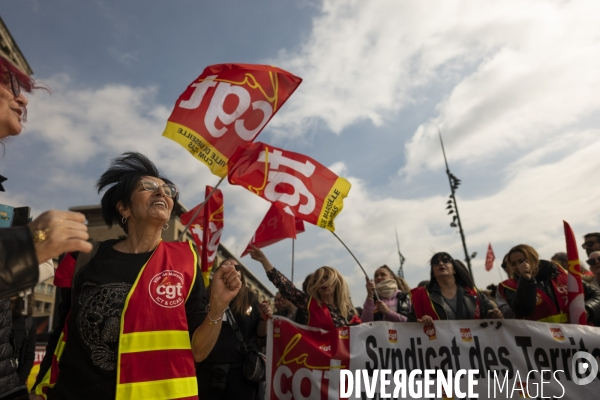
[225, 285]
[525, 270]
[370, 287]
[495, 314]
[257, 254]
[265, 311]
[426, 319]
[57, 232]
[382, 307]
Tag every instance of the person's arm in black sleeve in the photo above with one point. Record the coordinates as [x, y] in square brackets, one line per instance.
[195, 306]
[287, 289]
[64, 307]
[18, 261]
[28, 354]
[592, 302]
[523, 300]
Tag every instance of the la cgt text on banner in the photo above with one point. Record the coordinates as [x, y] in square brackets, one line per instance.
[226, 108]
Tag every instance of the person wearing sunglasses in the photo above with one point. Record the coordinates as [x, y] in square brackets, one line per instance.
[594, 263]
[591, 242]
[26, 251]
[133, 317]
[449, 295]
[537, 290]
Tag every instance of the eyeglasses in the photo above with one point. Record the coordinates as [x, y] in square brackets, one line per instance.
[593, 261]
[151, 185]
[14, 84]
[588, 243]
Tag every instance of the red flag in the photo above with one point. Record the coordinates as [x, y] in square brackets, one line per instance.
[292, 181]
[275, 226]
[207, 227]
[489, 258]
[226, 108]
[574, 285]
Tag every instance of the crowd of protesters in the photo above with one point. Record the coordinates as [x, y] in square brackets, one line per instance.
[114, 333]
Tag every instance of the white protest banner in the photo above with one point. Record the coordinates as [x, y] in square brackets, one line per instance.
[489, 359]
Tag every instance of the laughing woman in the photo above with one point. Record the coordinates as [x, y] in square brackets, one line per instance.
[132, 311]
[393, 294]
[327, 301]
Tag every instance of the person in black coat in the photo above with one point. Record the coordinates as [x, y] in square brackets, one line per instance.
[537, 290]
[24, 328]
[450, 294]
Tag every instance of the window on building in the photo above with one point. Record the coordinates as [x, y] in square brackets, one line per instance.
[39, 306]
[40, 287]
[50, 289]
[47, 307]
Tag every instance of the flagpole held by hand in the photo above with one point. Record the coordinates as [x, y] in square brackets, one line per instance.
[199, 208]
[355, 259]
[293, 242]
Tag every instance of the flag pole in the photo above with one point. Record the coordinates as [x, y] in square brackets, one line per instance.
[355, 259]
[199, 208]
[293, 242]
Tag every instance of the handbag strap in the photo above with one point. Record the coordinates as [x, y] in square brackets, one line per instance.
[236, 328]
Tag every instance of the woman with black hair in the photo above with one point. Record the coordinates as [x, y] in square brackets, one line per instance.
[132, 312]
[220, 375]
[449, 295]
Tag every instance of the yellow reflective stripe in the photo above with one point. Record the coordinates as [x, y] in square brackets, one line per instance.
[154, 340]
[45, 382]
[558, 318]
[164, 389]
[194, 268]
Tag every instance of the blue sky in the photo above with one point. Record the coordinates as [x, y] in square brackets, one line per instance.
[513, 86]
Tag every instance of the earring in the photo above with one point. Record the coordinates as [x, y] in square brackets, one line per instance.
[124, 220]
[165, 227]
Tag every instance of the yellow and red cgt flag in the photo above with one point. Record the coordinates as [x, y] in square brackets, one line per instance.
[226, 108]
[292, 181]
[207, 229]
[574, 284]
[275, 226]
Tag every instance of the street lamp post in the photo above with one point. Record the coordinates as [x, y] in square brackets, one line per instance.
[453, 207]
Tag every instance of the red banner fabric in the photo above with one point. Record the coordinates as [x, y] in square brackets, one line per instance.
[304, 362]
[292, 181]
[489, 258]
[226, 108]
[275, 226]
[574, 284]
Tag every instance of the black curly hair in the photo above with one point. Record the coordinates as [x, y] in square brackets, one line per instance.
[121, 179]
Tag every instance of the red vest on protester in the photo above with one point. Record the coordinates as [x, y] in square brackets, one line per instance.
[320, 317]
[153, 329]
[545, 309]
[422, 304]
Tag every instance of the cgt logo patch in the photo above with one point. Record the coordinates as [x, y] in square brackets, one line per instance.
[465, 334]
[393, 336]
[429, 330]
[344, 333]
[557, 334]
[166, 289]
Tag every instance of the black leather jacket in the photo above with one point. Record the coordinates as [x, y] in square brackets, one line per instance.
[8, 364]
[523, 300]
[442, 308]
[18, 263]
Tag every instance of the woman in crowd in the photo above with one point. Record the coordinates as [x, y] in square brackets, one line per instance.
[326, 301]
[220, 375]
[131, 312]
[394, 297]
[450, 294]
[537, 290]
[23, 249]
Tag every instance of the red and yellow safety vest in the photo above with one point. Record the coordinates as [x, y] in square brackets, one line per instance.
[545, 309]
[153, 331]
[422, 304]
